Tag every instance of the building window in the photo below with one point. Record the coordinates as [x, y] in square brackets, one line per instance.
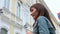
[3, 31]
[17, 33]
[18, 9]
[6, 3]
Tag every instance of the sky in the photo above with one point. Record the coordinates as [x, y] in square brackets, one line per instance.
[54, 6]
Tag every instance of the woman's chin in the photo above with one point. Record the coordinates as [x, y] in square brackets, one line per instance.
[34, 18]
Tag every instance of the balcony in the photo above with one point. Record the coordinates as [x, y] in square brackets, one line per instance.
[9, 17]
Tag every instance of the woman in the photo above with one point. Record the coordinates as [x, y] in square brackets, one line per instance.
[43, 23]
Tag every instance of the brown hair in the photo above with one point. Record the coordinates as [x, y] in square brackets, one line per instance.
[42, 11]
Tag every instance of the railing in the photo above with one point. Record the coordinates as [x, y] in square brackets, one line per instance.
[1, 11]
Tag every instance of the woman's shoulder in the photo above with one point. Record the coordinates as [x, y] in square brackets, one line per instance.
[41, 19]
[44, 19]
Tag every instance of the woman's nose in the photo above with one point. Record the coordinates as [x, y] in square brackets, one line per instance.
[32, 14]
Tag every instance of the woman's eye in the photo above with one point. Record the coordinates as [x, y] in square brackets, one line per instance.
[31, 10]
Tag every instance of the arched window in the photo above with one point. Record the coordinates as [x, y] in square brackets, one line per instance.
[18, 8]
[3, 31]
[17, 33]
[6, 3]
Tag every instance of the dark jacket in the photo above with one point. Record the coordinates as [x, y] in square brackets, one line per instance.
[43, 26]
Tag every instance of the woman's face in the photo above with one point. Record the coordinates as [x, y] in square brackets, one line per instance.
[34, 13]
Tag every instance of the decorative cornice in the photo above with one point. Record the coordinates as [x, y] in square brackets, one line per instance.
[6, 16]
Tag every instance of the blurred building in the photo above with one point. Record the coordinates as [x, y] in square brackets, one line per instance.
[10, 23]
[15, 16]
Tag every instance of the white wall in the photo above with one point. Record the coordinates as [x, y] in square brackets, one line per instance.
[54, 6]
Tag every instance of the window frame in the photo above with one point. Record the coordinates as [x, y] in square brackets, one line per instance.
[6, 3]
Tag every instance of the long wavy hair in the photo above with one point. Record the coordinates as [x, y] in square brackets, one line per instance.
[42, 11]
